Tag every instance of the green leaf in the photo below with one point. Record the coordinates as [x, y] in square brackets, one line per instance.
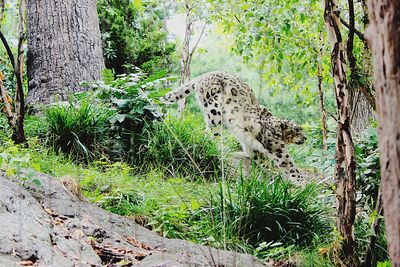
[138, 4]
[194, 204]
[37, 182]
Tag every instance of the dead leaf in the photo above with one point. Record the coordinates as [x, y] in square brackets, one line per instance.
[78, 234]
[49, 211]
[25, 263]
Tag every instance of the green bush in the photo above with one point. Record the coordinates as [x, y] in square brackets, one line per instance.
[130, 97]
[368, 169]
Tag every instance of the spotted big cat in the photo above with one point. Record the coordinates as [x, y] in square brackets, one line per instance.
[229, 102]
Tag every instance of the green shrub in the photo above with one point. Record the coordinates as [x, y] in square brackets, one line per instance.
[76, 128]
[130, 97]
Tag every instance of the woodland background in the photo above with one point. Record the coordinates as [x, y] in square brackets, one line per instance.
[80, 82]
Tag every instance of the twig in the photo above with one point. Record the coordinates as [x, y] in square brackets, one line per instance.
[8, 49]
[197, 42]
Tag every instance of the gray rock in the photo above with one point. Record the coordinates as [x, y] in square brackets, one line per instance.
[49, 226]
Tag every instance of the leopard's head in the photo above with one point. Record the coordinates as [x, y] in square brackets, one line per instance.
[292, 133]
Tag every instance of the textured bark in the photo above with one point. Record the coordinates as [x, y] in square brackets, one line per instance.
[362, 102]
[64, 48]
[345, 161]
[321, 96]
[383, 34]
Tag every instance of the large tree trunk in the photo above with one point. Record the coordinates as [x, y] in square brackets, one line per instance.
[361, 100]
[383, 34]
[345, 161]
[64, 48]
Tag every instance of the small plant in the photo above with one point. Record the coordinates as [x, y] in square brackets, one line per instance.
[131, 98]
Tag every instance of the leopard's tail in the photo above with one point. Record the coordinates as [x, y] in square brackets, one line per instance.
[179, 93]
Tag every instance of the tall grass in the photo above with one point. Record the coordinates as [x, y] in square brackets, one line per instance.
[75, 129]
[181, 146]
[272, 212]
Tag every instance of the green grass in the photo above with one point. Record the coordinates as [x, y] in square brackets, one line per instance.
[181, 147]
[75, 128]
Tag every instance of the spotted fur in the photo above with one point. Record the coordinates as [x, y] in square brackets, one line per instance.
[228, 101]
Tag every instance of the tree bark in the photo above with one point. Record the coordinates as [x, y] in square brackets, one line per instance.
[361, 100]
[383, 34]
[321, 96]
[64, 48]
[345, 161]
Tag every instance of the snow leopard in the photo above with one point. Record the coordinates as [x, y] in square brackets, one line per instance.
[227, 101]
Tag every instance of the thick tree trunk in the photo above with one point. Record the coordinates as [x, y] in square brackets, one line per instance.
[361, 100]
[64, 48]
[383, 34]
[345, 160]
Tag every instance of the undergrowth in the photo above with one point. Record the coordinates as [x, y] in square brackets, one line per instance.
[164, 191]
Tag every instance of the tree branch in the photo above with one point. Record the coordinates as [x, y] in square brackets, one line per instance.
[8, 49]
[197, 42]
[357, 32]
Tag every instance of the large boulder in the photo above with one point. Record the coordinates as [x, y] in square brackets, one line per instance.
[49, 226]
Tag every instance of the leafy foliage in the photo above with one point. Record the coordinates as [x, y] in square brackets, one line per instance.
[368, 171]
[133, 35]
[129, 97]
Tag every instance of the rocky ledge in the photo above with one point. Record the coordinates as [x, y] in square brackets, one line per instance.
[47, 225]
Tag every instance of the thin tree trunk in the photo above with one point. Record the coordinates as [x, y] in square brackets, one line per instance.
[19, 135]
[345, 161]
[185, 54]
[383, 34]
[64, 48]
[321, 95]
[16, 118]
